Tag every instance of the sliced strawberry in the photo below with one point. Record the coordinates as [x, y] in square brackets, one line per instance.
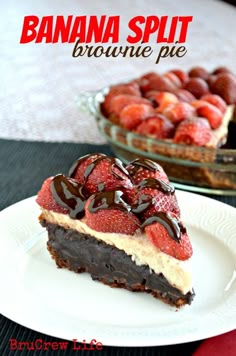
[98, 173]
[211, 113]
[45, 198]
[132, 115]
[142, 168]
[158, 127]
[108, 212]
[167, 241]
[215, 100]
[194, 131]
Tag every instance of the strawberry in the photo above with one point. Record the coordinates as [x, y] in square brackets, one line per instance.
[215, 100]
[211, 113]
[108, 212]
[164, 99]
[160, 237]
[197, 86]
[122, 100]
[194, 131]
[173, 78]
[142, 168]
[133, 114]
[155, 195]
[184, 95]
[225, 87]
[45, 198]
[198, 72]
[99, 172]
[198, 103]
[159, 83]
[211, 80]
[179, 112]
[158, 127]
[183, 76]
[127, 89]
[131, 88]
[220, 70]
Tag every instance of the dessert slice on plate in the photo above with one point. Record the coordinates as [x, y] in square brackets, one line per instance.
[120, 224]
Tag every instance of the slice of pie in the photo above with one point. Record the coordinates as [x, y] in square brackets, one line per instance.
[120, 224]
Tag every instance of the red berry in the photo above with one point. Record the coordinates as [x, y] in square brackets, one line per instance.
[220, 70]
[197, 103]
[153, 199]
[142, 168]
[132, 115]
[211, 80]
[128, 89]
[173, 78]
[197, 86]
[45, 198]
[164, 99]
[120, 101]
[99, 172]
[159, 236]
[179, 112]
[215, 100]
[158, 127]
[225, 87]
[184, 95]
[198, 72]
[116, 218]
[211, 113]
[131, 88]
[149, 75]
[194, 131]
[150, 95]
[159, 83]
[183, 76]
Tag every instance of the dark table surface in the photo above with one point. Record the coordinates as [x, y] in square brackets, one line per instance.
[23, 167]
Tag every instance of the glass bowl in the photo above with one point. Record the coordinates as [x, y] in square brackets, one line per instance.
[192, 168]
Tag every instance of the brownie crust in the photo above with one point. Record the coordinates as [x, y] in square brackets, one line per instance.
[79, 252]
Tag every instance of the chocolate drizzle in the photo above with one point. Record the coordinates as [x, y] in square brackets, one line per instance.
[68, 193]
[108, 200]
[78, 162]
[156, 183]
[144, 163]
[173, 226]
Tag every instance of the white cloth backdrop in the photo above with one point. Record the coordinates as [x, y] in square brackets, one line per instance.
[39, 82]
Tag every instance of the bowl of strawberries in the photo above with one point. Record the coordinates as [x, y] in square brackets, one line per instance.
[186, 121]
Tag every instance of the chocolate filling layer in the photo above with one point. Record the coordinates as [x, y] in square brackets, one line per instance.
[84, 253]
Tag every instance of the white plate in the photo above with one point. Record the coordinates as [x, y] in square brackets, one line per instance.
[63, 304]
